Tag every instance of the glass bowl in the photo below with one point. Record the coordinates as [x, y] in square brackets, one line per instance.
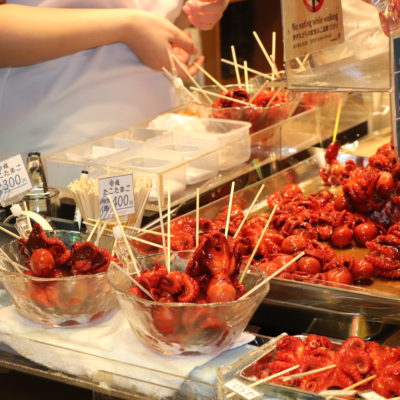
[55, 302]
[259, 117]
[185, 328]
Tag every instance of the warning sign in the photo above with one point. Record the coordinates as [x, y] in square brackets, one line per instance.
[313, 5]
[311, 25]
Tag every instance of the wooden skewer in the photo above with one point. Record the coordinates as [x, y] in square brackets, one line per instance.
[277, 272]
[266, 55]
[185, 70]
[271, 100]
[208, 75]
[236, 66]
[354, 385]
[267, 379]
[12, 234]
[228, 215]
[138, 239]
[178, 84]
[359, 383]
[273, 53]
[254, 71]
[311, 372]
[262, 87]
[197, 216]
[338, 112]
[133, 228]
[301, 65]
[246, 77]
[258, 244]
[89, 238]
[134, 281]
[128, 247]
[100, 232]
[7, 258]
[249, 210]
[222, 96]
[169, 226]
[172, 63]
[28, 220]
[161, 222]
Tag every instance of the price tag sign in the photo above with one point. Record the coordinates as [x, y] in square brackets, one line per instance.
[120, 188]
[244, 391]
[14, 179]
[371, 395]
[395, 90]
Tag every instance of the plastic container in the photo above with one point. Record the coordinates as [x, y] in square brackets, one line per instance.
[231, 137]
[164, 167]
[55, 302]
[200, 156]
[192, 328]
[136, 135]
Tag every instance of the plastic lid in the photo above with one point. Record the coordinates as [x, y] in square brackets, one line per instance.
[117, 232]
[16, 210]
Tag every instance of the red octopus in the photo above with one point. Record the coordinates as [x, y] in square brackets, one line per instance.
[351, 362]
[49, 257]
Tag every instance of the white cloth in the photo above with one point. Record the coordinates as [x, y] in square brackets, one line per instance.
[100, 351]
[61, 102]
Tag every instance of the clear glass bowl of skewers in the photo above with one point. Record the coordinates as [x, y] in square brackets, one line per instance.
[56, 278]
[260, 105]
[189, 302]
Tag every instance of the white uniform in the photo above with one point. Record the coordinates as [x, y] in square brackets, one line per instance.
[65, 101]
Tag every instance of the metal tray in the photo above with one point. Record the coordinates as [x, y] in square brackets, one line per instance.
[373, 302]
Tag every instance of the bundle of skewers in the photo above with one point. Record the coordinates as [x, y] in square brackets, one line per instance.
[86, 195]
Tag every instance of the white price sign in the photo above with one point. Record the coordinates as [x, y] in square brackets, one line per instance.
[371, 395]
[14, 179]
[244, 391]
[120, 188]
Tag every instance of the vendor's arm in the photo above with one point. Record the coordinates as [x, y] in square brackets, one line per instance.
[29, 35]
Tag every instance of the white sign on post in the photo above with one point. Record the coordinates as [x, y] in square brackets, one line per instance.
[311, 25]
[14, 179]
[120, 188]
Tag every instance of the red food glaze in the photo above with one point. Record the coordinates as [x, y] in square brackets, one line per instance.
[341, 203]
[293, 244]
[284, 259]
[342, 236]
[332, 151]
[362, 270]
[309, 265]
[220, 290]
[365, 232]
[338, 275]
[42, 263]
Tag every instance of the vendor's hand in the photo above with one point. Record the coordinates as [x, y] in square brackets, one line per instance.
[204, 14]
[150, 36]
[390, 17]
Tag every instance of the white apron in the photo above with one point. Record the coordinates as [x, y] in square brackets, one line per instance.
[61, 102]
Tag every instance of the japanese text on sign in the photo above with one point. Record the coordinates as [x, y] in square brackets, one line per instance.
[120, 188]
[14, 179]
[306, 31]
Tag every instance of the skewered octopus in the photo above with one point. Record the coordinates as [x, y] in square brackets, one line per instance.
[49, 257]
[210, 277]
[336, 173]
[352, 361]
